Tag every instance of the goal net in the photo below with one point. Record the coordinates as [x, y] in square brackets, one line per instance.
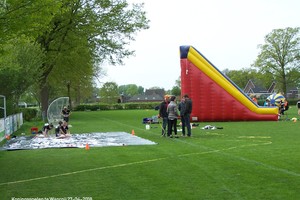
[55, 108]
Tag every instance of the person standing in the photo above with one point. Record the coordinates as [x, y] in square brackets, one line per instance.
[66, 114]
[163, 114]
[172, 117]
[181, 108]
[187, 114]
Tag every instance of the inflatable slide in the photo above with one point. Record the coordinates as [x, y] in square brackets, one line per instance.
[215, 97]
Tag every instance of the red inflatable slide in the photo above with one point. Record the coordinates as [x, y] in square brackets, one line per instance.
[215, 97]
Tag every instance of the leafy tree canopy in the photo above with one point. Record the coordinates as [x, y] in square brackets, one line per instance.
[280, 55]
[109, 92]
[75, 35]
[130, 90]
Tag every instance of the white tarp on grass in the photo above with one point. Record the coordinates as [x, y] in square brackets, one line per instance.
[76, 141]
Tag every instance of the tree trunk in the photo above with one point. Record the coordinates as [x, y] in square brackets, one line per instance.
[44, 92]
[78, 98]
[69, 94]
[284, 83]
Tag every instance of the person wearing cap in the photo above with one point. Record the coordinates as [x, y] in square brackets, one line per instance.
[163, 114]
[46, 128]
[66, 114]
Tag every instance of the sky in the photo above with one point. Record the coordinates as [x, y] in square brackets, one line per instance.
[227, 33]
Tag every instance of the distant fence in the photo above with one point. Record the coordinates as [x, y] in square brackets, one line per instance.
[10, 124]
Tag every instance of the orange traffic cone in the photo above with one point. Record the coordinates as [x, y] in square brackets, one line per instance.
[87, 147]
[132, 132]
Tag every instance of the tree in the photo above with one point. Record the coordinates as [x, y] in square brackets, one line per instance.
[241, 77]
[102, 28]
[280, 55]
[73, 74]
[178, 82]
[294, 77]
[109, 92]
[26, 18]
[176, 90]
[130, 89]
[19, 68]
[155, 88]
[141, 90]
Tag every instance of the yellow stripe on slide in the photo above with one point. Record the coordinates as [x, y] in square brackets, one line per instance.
[215, 75]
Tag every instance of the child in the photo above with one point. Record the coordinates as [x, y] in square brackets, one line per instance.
[254, 99]
[58, 128]
[267, 103]
[64, 130]
[47, 127]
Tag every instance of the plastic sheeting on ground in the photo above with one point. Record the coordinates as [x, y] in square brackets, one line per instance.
[76, 141]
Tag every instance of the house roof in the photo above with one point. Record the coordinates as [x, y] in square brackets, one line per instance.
[254, 86]
[141, 97]
[160, 92]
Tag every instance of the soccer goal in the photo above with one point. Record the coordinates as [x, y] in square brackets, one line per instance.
[55, 108]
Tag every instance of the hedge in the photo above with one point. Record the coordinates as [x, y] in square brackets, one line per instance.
[117, 106]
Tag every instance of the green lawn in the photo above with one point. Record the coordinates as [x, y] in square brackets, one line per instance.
[245, 160]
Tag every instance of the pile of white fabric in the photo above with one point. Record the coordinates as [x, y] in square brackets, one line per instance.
[210, 127]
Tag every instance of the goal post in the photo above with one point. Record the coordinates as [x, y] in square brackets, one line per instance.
[55, 108]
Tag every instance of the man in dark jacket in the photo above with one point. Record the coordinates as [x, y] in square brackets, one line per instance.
[163, 114]
[187, 114]
[181, 108]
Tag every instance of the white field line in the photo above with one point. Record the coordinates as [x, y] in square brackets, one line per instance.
[159, 159]
[81, 171]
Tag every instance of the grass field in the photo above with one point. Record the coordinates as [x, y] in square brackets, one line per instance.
[244, 160]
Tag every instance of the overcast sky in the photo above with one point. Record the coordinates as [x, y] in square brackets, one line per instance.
[226, 32]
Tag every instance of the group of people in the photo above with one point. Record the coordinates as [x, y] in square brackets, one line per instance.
[62, 129]
[169, 112]
[282, 106]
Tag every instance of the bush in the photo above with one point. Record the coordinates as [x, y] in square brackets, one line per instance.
[117, 106]
[29, 113]
[79, 108]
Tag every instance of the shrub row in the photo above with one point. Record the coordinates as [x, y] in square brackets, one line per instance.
[135, 106]
[31, 113]
[118, 106]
